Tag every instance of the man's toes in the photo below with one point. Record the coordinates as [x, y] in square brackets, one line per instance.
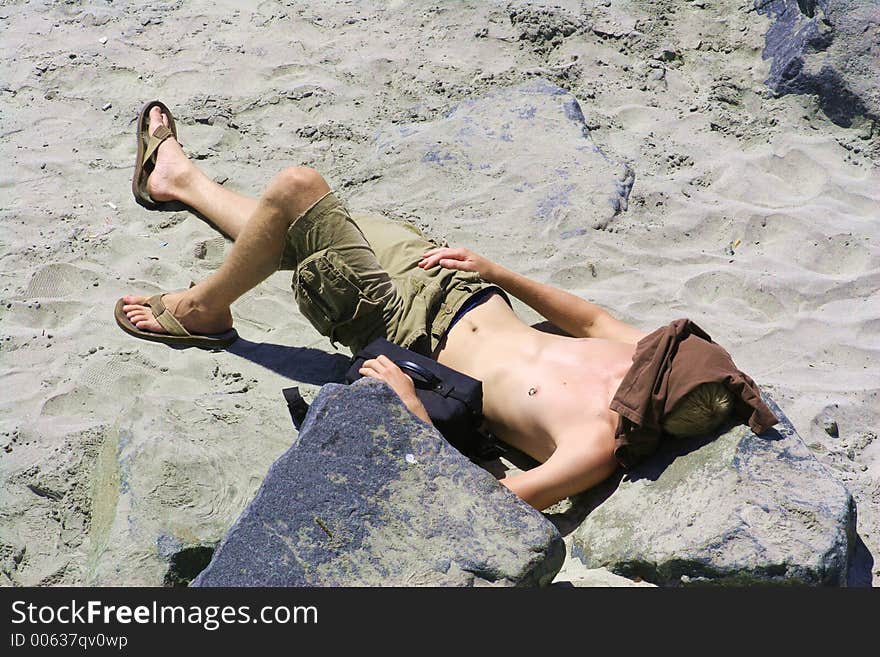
[145, 322]
[157, 118]
[139, 315]
[149, 324]
[136, 316]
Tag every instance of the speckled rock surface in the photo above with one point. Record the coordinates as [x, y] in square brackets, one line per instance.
[826, 47]
[740, 510]
[371, 496]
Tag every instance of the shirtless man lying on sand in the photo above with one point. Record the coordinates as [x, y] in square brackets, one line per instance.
[547, 395]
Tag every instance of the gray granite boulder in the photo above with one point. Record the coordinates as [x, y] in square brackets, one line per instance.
[371, 496]
[520, 151]
[830, 48]
[738, 510]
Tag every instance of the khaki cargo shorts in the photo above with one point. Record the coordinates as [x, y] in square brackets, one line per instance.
[359, 280]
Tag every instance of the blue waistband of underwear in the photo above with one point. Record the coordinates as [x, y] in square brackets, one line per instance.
[473, 301]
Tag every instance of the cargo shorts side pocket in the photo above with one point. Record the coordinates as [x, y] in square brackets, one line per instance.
[329, 292]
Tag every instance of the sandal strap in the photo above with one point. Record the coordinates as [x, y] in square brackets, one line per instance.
[161, 134]
[166, 320]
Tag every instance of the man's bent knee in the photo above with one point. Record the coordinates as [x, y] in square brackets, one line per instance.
[296, 189]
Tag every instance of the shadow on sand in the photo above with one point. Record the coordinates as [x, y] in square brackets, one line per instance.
[861, 564]
[302, 364]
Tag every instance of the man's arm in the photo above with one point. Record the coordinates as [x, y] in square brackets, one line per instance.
[574, 315]
[574, 467]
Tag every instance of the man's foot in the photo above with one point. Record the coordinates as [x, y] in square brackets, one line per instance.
[173, 169]
[196, 317]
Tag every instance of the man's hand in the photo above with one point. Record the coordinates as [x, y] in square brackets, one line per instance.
[574, 315]
[459, 258]
[384, 369]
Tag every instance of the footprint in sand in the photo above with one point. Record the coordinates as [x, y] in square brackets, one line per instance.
[125, 376]
[211, 251]
[745, 298]
[59, 280]
[773, 180]
[106, 375]
[844, 254]
[41, 314]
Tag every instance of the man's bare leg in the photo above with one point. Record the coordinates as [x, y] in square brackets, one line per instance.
[259, 228]
[177, 178]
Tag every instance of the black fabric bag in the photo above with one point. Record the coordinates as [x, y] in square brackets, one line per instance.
[454, 401]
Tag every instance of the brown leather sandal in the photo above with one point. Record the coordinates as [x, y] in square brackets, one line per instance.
[147, 145]
[177, 335]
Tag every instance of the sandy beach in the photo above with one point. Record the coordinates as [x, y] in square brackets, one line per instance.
[754, 215]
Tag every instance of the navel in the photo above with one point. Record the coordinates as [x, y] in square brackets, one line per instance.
[532, 391]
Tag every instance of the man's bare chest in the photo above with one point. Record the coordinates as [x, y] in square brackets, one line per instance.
[533, 407]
